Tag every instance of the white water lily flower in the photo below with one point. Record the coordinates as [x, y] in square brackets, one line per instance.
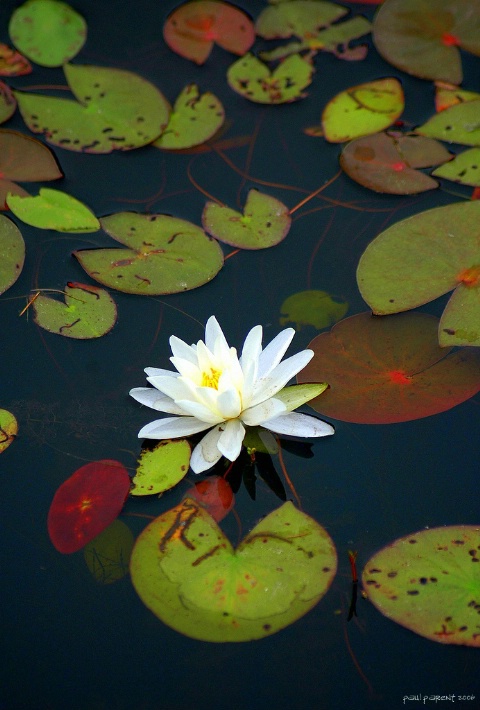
[215, 389]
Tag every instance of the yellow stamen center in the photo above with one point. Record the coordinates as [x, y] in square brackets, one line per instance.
[210, 378]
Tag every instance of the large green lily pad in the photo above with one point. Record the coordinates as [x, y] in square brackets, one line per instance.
[457, 124]
[382, 370]
[48, 32]
[161, 468]
[104, 117]
[12, 253]
[8, 429]
[88, 312]
[265, 222]
[163, 254]
[312, 307]
[422, 257]
[53, 209]
[252, 79]
[187, 573]
[429, 582]
[422, 37]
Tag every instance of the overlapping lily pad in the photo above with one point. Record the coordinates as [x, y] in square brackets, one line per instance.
[187, 573]
[108, 555]
[215, 495]
[312, 307]
[13, 63]
[161, 468]
[422, 257]
[88, 312]
[163, 254]
[382, 370]
[104, 117]
[422, 38]
[8, 104]
[457, 124]
[53, 209]
[428, 582]
[252, 79]
[12, 253]
[265, 222]
[447, 95]
[8, 429]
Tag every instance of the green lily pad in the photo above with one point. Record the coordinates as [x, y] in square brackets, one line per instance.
[193, 121]
[104, 118]
[422, 38]
[53, 209]
[12, 253]
[447, 95]
[265, 222]
[188, 574]
[389, 369]
[300, 18]
[422, 257]
[8, 104]
[362, 110]
[48, 32]
[161, 468]
[252, 79]
[107, 556]
[314, 308]
[428, 582]
[13, 63]
[386, 163]
[88, 312]
[457, 124]
[8, 429]
[164, 255]
[193, 28]
[464, 168]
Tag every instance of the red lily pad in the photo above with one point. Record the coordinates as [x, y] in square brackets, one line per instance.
[382, 370]
[252, 79]
[428, 582]
[213, 494]
[12, 253]
[13, 63]
[194, 27]
[422, 38]
[86, 504]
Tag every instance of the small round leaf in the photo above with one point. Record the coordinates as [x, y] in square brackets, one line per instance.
[161, 468]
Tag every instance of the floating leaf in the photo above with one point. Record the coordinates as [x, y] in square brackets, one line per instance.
[104, 118]
[88, 312]
[389, 369]
[315, 308]
[164, 255]
[428, 582]
[447, 95]
[264, 223]
[53, 209]
[252, 79]
[362, 110]
[86, 504]
[108, 555]
[12, 253]
[213, 494]
[464, 168]
[193, 121]
[187, 573]
[457, 124]
[386, 163]
[192, 29]
[13, 63]
[422, 257]
[300, 18]
[8, 104]
[161, 468]
[8, 429]
[422, 38]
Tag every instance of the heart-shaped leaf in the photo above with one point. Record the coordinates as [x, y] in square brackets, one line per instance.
[8, 429]
[53, 209]
[265, 222]
[187, 573]
[48, 32]
[88, 312]
[13, 63]
[164, 255]
[314, 308]
[107, 556]
[104, 118]
[422, 257]
[457, 124]
[162, 468]
[428, 582]
[382, 370]
[252, 79]
[464, 168]
[12, 253]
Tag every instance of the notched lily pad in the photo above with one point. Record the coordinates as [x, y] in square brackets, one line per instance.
[457, 124]
[312, 307]
[48, 32]
[8, 429]
[53, 209]
[265, 222]
[195, 118]
[12, 253]
[163, 254]
[13, 63]
[161, 468]
[428, 582]
[188, 574]
[252, 79]
[88, 312]
[464, 168]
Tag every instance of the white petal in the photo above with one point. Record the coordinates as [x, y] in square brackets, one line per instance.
[296, 424]
[158, 372]
[252, 346]
[200, 411]
[229, 404]
[151, 397]
[213, 332]
[174, 387]
[281, 374]
[187, 368]
[206, 453]
[261, 412]
[182, 350]
[230, 441]
[274, 351]
[172, 428]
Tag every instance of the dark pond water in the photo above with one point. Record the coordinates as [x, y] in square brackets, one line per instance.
[69, 643]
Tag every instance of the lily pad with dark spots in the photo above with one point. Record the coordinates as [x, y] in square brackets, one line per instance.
[464, 168]
[457, 124]
[252, 79]
[12, 253]
[8, 429]
[161, 468]
[300, 18]
[428, 582]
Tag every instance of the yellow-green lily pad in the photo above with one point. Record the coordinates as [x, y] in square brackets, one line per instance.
[53, 209]
[447, 95]
[300, 18]
[161, 468]
[428, 582]
[252, 79]
[12, 253]
[457, 124]
[163, 254]
[464, 168]
[312, 307]
[8, 429]
[107, 556]
[187, 573]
